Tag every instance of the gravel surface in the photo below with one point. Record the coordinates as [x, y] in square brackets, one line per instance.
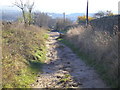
[63, 69]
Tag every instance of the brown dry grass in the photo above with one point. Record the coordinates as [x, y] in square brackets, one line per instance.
[0, 55]
[20, 47]
[102, 49]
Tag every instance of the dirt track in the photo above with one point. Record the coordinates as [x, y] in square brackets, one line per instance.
[63, 69]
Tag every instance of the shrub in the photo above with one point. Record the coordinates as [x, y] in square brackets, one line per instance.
[82, 19]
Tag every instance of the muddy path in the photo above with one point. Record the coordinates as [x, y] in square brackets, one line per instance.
[63, 69]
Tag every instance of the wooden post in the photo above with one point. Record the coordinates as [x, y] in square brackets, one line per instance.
[64, 17]
[64, 20]
[87, 14]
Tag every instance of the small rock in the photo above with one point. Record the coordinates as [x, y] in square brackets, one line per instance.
[48, 68]
[37, 80]
[52, 63]
[32, 85]
[68, 62]
[80, 83]
[46, 72]
[58, 76]
[74, 85]
[60, 82]
[38, 75]
[68, 69]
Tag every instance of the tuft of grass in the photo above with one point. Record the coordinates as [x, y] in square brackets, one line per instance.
[24, 52]
[67, 75]
[66, 78]
[46, 36]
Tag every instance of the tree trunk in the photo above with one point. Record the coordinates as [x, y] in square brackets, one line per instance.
[25, 23]
[29, 22]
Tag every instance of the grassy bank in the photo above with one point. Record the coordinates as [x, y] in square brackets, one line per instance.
[24, 52]
[98, 49]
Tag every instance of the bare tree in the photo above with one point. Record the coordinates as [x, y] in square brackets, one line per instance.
[42, 19]
[22, 6]
[109, 13]
[30, 7]
[60, 25]
[100, 14]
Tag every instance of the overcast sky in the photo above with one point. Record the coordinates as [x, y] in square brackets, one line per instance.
[70, 6]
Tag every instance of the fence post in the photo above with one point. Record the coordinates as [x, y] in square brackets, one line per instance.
[87, 14]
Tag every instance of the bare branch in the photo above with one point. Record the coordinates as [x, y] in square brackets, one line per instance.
[19, 6]
[30, 6]
[21, 3]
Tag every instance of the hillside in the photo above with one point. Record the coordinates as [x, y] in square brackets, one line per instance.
[23, 54]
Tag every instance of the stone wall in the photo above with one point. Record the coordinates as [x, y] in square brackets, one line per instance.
[109, 23]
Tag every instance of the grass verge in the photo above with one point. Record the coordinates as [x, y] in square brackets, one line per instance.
[24, 52]
[101, 69]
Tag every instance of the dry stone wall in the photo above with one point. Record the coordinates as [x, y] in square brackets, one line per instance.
[109, 23]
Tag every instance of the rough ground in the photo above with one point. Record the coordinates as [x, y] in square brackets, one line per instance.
[63, 69]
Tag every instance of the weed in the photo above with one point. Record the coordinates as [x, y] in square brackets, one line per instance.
[66, 78]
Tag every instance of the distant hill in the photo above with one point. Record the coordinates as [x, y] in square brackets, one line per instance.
[72, 16]
[12, 13]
